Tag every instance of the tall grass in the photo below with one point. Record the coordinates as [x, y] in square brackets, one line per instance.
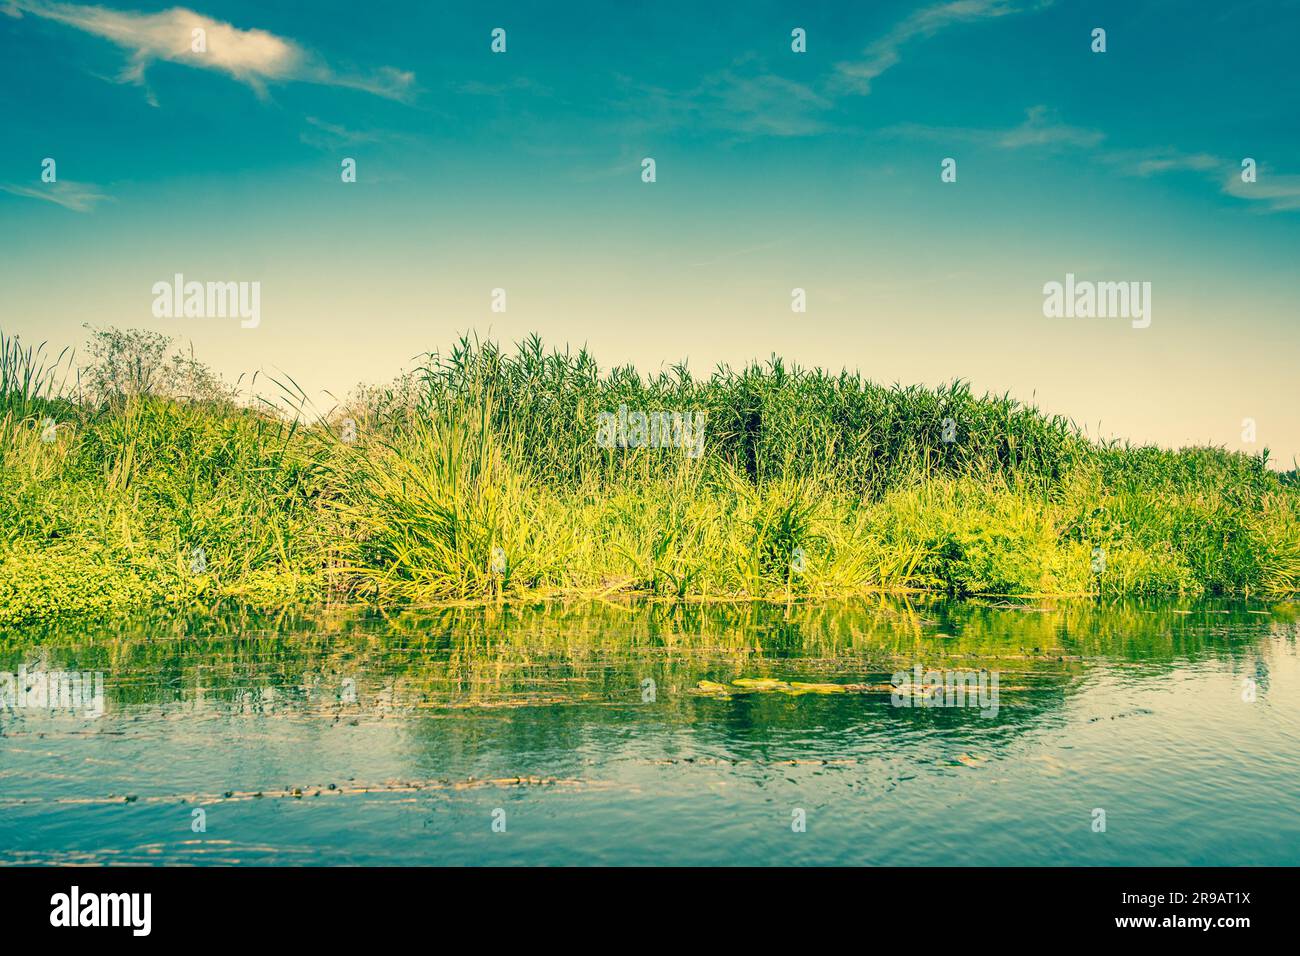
[478, 477]
[767, 420]
[429, 510]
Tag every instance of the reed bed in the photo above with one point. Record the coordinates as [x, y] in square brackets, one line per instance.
[479, 478]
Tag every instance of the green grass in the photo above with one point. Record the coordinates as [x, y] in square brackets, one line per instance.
[483, 450]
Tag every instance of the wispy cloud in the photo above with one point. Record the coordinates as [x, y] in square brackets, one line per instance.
[1275, 193]
[325, 135]
[1040, 129]
[750, 99]
[254, 57]
[1169, 163]
[857, 76]
[520, 84]
[1154, 161]
[79, 197]
[745, 98]
[1271, 192]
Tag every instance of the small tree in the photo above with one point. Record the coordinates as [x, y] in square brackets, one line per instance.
[124, 363]
[127, 363]
[189, 378]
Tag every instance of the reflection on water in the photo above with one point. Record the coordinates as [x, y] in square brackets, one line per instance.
[616, 733]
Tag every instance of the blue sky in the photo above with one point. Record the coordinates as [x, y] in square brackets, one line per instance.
[775, 170]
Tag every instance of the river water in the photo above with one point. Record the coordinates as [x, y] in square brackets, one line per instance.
[1125, 733]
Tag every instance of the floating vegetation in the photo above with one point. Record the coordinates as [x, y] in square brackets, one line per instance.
[793, 688]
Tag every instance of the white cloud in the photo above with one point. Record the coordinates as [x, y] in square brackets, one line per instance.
[79, 197]
[253, 56]
[1273, 193]
[1199, 162]
[1039, 129]
[1277, 193]
[1152, 162]
[745, 98]
[856, 76]
[326, 135]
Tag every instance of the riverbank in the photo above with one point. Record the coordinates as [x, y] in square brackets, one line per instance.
[487, 476]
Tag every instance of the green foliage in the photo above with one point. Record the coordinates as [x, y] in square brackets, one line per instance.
[479, 451]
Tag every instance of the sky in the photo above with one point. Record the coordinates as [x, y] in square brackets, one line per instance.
[774, 170]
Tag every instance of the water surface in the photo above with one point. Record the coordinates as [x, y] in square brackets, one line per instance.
[349, 738]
